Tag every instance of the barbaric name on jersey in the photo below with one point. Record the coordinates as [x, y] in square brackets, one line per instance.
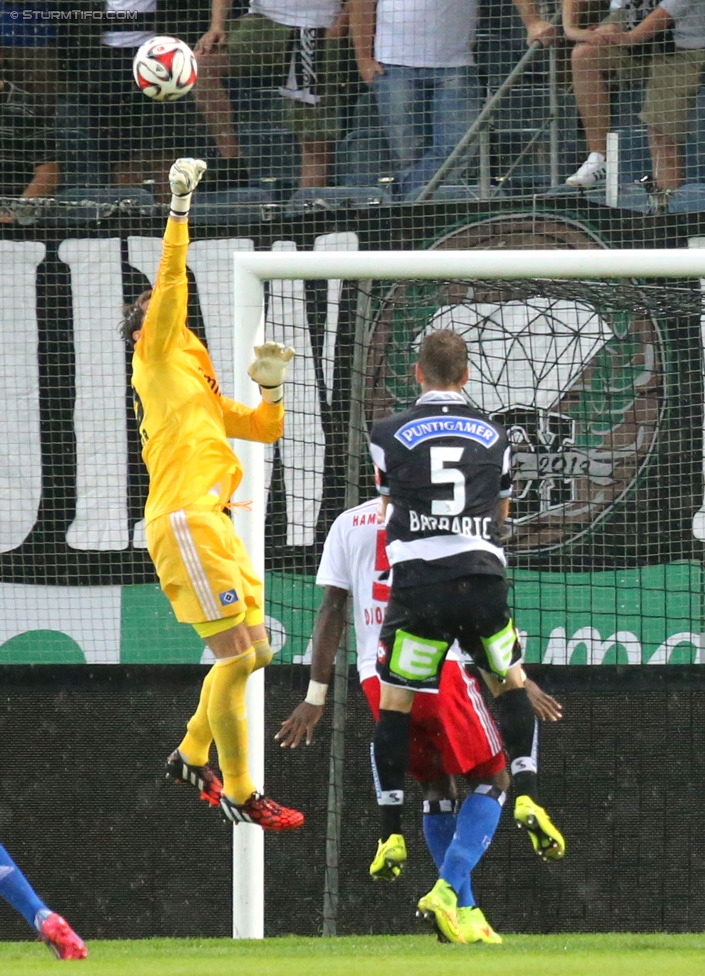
[417, 431]
[470, 525]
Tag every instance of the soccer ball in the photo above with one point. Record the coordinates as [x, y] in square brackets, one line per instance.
[165, 68]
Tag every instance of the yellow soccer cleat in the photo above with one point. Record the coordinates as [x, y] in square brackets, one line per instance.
[440, 908]
[475, 927]
[389, 859]
[546, 839]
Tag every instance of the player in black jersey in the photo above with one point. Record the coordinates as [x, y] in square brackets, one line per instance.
[444, 470]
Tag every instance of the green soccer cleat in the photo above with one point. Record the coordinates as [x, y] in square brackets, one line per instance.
[389, 859]
[475, 927]
[440, 908]
[546, 839]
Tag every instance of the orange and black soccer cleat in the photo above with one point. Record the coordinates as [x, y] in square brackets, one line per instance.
[260, 810]
[202, 777]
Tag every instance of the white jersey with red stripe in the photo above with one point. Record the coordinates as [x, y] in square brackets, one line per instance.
[355, 559]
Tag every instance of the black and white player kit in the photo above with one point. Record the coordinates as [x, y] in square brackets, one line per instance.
[446, 468]
[445, 465]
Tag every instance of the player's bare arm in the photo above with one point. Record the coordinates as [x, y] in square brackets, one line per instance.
[513, 679]
[545, 706]
[327, 632]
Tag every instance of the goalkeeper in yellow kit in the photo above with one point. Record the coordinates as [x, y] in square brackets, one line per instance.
[203, 567]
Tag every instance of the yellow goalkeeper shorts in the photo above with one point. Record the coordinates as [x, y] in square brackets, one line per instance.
[203, 567]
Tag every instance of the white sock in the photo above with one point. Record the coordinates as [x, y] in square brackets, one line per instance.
[596, 157]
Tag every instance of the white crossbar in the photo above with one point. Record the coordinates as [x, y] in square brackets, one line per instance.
[444, 264]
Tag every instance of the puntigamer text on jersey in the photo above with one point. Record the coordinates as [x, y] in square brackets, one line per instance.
[417, 431]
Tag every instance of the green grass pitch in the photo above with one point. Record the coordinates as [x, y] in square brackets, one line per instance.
[519, 955]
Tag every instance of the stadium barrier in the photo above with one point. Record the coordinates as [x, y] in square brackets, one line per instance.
[125, 854]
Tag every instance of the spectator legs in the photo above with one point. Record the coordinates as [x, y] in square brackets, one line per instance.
[426, 112]
[401, 106]
[667, 159]
[591, 95]
[213, 102]
[316, 156]
[456, 101]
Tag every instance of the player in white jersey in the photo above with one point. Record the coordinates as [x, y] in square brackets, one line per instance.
[452, 734]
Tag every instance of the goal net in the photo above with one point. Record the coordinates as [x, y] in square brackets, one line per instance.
[598, 379]
[589, 374]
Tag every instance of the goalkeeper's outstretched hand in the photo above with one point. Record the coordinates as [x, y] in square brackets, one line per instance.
[268, 368]
[184, 177]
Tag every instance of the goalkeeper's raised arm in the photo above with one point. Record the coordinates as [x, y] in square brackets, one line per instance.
[161, 312]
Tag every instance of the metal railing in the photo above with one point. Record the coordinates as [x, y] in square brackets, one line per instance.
[479, 130]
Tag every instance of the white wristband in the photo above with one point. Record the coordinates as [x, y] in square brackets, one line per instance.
[316, 694]
[180, 206]
[272, 394]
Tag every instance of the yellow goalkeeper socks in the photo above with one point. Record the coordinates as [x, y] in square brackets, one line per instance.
[196, 744]
[263, 654]
[228, 722]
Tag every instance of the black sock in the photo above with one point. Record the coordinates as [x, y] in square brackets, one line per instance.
[390, 757]
[517, 723]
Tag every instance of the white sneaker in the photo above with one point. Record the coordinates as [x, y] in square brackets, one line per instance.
[592, 172]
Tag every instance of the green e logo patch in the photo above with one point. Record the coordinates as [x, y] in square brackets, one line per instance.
[416, 658]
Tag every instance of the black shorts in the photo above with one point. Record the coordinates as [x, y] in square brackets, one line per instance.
[422, 622]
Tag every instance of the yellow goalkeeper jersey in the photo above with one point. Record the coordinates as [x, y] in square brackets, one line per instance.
[184, 421]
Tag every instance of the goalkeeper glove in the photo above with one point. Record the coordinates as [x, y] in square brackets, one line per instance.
[268, 368]
[184, 177]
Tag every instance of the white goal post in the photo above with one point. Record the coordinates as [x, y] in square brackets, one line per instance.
[251, 271]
